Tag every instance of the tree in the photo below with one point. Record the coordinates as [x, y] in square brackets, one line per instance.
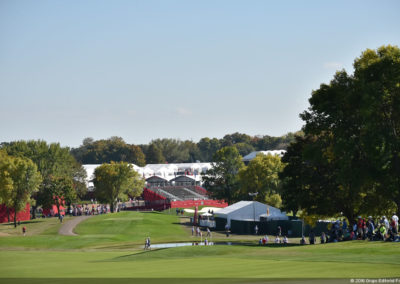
[154, 155]
[244, 148]
[51, 160]
[22, 179]
[222, 179]
[232, 139]
[116, 181]
[377, 76]
[104, 151]
[347, 157]
[6, 182]
[262, 176]
[174, 151]
[59, 191]
[208, 147]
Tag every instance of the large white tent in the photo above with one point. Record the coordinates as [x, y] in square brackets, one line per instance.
[165, 171]
[250, 211]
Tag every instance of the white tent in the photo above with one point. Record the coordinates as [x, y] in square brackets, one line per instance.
[249, 211]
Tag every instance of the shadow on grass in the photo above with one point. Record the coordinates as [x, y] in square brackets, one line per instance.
[21, 223]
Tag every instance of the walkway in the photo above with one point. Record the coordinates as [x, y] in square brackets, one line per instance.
[67, 229]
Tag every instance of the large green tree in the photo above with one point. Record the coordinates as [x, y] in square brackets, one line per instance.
[116, 181]
[262, 176]
[347, 161]
[22, 179]
[222, 179]
[51, 160]
[59, 191]
[377, 76]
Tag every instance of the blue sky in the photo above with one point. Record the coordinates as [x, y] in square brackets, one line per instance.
[174, 69]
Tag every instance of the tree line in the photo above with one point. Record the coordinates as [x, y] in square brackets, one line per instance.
[44, 175]
[39, 173]
[160, 151]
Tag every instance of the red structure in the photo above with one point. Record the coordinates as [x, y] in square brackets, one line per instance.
[23, 215]
[158, 202]
[53, 211]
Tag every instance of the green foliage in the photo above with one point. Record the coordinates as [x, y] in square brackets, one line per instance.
[173, 150]
[6, 182]
[349, 160]
[116, 181]
[262, 176]
[104, 151]
[58, 191]
[154, 155]
[222, 179]
[51, 160]
[274, 199]
[208, 147]
[21, 179]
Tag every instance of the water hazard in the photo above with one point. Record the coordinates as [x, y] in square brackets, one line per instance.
[173, 245]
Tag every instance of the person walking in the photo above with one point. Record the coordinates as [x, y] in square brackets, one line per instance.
[24, 230]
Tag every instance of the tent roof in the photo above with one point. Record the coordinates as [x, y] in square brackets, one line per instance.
[252, 155]
[249, 210]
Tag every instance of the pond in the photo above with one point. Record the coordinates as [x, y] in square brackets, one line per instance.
[173, 245]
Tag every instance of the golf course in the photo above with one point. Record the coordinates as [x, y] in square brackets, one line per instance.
[111, 246]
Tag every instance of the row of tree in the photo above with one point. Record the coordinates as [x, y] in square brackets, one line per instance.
[160, 151]
[39, 173]
[47, 174]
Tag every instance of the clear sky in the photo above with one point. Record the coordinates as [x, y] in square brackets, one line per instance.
[175, 69]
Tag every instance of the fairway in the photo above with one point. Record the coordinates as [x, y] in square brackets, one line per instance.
[110, 246]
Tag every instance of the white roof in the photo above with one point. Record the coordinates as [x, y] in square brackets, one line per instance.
[252, 155]
[249, 211]
[165, 171]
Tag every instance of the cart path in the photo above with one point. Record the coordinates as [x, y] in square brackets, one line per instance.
[67, 229]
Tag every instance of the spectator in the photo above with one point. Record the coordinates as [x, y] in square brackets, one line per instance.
[323, 238]
[344, 226]
[312, 237]
[285, 240]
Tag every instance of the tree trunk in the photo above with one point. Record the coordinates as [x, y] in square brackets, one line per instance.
[112, 207]
[15, 218]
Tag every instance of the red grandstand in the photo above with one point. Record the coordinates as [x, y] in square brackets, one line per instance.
[161, 198]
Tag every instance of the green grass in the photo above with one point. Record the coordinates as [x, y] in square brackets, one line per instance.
[110, 246]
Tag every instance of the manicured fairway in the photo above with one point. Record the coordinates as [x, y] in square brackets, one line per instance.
[108, 246]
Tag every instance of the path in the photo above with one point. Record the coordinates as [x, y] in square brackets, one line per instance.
[67, 229]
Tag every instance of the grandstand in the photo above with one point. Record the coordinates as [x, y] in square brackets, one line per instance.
[180, 193]
[169, 186]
